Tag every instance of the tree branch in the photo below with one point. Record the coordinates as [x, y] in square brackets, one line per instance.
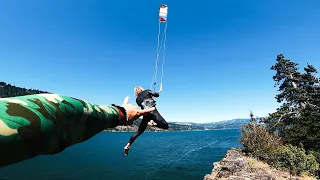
[282, 117]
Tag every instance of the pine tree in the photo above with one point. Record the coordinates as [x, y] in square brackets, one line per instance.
[297, 120]
[305, 130]
[287, 78]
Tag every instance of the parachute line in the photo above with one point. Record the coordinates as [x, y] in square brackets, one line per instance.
[157, 58]
[163, 54]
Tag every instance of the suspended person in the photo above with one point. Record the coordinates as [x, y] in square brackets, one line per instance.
[145, 99]
[46, 124]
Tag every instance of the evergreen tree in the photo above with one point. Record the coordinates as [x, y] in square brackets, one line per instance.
[305, 130]
[297, 119]
[287, 78]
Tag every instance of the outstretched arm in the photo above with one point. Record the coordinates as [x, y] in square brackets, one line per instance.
[154, 94]
[48, 123]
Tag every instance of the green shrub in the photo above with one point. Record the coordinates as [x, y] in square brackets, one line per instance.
[316, 154]
[258, 142]
[295, 159]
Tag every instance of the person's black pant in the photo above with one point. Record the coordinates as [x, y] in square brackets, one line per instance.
[156, 117]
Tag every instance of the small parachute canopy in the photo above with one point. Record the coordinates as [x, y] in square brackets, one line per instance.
[163, 13]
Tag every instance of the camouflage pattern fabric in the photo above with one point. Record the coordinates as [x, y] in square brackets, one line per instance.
[47, 124]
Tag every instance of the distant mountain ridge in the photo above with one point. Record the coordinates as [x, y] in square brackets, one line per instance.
[187, 126]
[8, 90]
[237, 121]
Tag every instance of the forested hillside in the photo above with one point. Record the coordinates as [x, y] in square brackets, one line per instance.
[8, 90]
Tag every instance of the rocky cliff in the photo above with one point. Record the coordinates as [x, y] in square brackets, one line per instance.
[236, 166]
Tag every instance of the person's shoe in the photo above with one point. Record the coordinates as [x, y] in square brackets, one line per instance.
[126, 150]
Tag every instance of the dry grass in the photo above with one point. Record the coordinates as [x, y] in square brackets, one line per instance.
[256, 166]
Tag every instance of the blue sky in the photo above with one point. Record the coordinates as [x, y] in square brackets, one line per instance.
[218, 57]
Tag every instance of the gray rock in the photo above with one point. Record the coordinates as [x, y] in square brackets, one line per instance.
[234, 167]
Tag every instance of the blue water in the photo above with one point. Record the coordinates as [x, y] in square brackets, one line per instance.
[161, 155]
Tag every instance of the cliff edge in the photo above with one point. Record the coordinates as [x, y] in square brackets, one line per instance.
[236, 166]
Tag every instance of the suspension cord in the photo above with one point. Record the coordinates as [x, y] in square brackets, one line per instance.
[157, 58]
[159, 47]
[163, 53]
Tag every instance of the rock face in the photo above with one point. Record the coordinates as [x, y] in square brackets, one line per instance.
[236, 166]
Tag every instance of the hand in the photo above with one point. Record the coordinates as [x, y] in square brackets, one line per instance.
[152, 123]
[133, 112]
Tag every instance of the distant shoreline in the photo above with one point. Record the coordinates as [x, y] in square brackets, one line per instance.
[171, 131]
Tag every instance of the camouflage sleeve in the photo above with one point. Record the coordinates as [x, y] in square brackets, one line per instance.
[48, 123]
